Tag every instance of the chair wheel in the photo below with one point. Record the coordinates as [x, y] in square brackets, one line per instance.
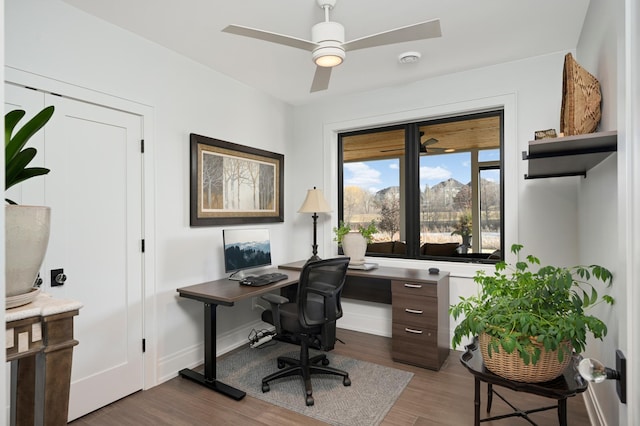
[346, 381]
[325, 361]
[281, 365]
[265, 387]
[309, 401]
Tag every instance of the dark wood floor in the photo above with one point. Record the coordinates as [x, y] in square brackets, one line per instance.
[432, 398]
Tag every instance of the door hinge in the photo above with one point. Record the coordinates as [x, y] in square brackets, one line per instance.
[142, 146]
[142, 245]
[144, 345]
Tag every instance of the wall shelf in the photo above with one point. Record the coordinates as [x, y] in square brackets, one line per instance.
[569, 155]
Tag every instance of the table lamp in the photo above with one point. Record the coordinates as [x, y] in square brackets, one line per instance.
[315, 203]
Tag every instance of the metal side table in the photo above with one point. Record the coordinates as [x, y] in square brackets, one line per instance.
[569, 384]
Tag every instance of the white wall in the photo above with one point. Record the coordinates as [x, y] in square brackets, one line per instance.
[601, 51]
[52, 39]
[535, 86]
[539, 213]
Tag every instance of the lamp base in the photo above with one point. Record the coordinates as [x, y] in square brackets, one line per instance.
[314, 258]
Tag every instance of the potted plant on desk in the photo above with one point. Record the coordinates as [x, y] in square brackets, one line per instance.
[354, 242]
[529, 323]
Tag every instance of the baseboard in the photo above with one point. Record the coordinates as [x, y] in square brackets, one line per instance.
[193, 356]
[593, 408]
[366, 317]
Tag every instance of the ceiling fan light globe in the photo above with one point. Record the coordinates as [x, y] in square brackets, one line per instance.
[328, 61]
[328, 57]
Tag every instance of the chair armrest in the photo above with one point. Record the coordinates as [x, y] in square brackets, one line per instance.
[329, 293]
[275, 299]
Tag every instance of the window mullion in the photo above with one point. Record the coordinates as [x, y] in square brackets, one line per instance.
[475, 196]
[412, 189]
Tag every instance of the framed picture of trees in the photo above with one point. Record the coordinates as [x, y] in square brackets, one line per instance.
[234, 184]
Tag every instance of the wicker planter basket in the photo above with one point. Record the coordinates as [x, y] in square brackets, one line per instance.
[581, 97]
[512, 367]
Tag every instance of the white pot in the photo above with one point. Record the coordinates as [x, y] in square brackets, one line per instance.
[26, 240]
[354, 245]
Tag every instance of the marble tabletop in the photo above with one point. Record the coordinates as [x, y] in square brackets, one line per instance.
[45, 305]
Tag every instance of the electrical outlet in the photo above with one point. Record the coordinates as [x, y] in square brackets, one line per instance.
[255, 303]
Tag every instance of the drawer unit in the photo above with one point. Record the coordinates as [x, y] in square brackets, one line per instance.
[420, 329]
[415, 346]
[418, 311]
[414, 288]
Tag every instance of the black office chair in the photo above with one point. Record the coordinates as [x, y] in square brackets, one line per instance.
[309, 321]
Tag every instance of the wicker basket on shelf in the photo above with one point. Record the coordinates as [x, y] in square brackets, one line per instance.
[512, 367]
[581, 97]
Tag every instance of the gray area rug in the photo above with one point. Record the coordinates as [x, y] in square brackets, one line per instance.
[373, 391]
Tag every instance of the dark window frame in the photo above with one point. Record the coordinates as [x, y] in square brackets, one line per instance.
[412, 184]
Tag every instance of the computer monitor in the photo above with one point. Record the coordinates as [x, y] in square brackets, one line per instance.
[245, 249]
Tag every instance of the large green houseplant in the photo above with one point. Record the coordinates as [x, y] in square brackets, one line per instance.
[26, 227]
[530, 312]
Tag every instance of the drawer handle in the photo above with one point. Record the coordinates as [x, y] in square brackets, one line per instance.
[412, 311]
[412, 285]
[411, 330]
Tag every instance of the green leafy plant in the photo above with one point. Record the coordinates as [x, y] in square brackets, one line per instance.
[518, 307]
[344, 228]
[17, 157]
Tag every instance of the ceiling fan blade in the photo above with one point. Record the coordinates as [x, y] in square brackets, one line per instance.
[321, 79]
[270, 37]
[420, 31]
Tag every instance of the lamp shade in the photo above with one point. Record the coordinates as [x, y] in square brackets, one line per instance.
[315, 202]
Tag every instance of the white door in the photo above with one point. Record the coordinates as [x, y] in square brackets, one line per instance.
[94, 190]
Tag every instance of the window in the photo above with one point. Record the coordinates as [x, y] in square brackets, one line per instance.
[433, 188]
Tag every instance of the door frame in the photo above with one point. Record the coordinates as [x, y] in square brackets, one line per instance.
[146, 112]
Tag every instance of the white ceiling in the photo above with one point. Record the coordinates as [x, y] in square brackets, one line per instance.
[475, 33]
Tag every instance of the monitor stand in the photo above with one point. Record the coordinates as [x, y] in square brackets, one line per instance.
[238, 276]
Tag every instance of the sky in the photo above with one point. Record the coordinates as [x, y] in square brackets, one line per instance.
[376, 175]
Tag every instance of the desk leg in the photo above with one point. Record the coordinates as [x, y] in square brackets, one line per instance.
[209, 378]
[562, 412]
[476, 402]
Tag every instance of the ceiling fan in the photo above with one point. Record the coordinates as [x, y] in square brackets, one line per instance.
[425, 147]
[327, 45]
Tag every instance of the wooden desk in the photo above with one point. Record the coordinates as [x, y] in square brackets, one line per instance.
[223, 292]
[40, 347]
[561, 388]
[420, 309]
[375, 285]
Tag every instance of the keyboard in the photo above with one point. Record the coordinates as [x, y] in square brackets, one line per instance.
[264, 279]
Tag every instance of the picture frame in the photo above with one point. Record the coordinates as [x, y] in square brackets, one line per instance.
[234, 184]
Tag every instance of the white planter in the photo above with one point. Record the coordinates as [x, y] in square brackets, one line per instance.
[26, 240]
[354, 245]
